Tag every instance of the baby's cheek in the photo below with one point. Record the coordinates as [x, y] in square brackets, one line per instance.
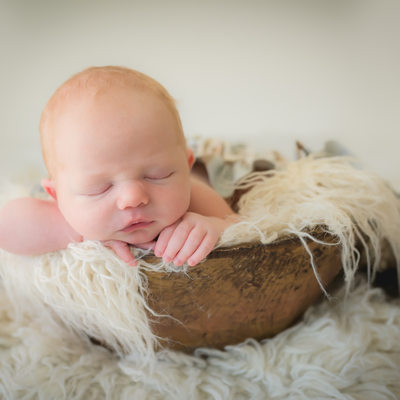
[87, 222]
[177, 205]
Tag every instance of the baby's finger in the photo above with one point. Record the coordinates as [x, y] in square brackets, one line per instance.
[121, 249]
[176, 241]
[192, 243]
[203, 250]
[163, 239]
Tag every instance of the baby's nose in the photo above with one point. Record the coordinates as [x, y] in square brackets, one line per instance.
[133, 194]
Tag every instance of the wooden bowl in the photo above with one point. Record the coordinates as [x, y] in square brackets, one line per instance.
[247, 291]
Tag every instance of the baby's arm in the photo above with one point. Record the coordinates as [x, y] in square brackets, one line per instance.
[204, 200]
[31, 226]
[194, 236]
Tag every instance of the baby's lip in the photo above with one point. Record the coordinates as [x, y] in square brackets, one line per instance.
[138, 224]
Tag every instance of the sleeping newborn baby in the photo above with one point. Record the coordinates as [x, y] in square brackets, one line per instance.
[119, 172]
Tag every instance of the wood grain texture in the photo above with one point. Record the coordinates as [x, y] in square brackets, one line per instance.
[252, 290]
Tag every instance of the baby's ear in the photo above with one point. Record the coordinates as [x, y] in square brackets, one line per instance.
[48, 186]
[190, 157]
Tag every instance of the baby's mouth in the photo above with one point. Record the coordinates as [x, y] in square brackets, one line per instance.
[136, 225]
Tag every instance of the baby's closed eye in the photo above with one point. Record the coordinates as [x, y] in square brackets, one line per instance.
[158, 176]
[97, 191]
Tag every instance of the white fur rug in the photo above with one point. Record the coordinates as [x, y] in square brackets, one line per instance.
[345, 348]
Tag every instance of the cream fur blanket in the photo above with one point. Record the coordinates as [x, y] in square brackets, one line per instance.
[346, 348]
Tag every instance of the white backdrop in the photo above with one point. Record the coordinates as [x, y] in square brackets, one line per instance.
[264, 72]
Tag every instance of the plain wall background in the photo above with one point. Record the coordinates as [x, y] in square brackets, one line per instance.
[263, 72]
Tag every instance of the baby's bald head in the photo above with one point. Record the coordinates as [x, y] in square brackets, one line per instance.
[89, 84]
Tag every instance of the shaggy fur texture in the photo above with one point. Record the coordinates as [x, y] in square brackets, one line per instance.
[349, 348]
[344, 350]
[351, 204]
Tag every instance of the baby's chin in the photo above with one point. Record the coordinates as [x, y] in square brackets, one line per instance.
[138, 238]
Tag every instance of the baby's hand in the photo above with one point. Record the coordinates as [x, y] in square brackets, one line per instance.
[121, 249]
[190, 239]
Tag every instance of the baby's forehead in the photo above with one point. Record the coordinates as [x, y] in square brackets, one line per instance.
[97, 99]
[84, 88]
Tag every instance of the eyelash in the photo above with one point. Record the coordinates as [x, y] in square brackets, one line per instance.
[149, 178]
[158, 178]
[100, 192]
